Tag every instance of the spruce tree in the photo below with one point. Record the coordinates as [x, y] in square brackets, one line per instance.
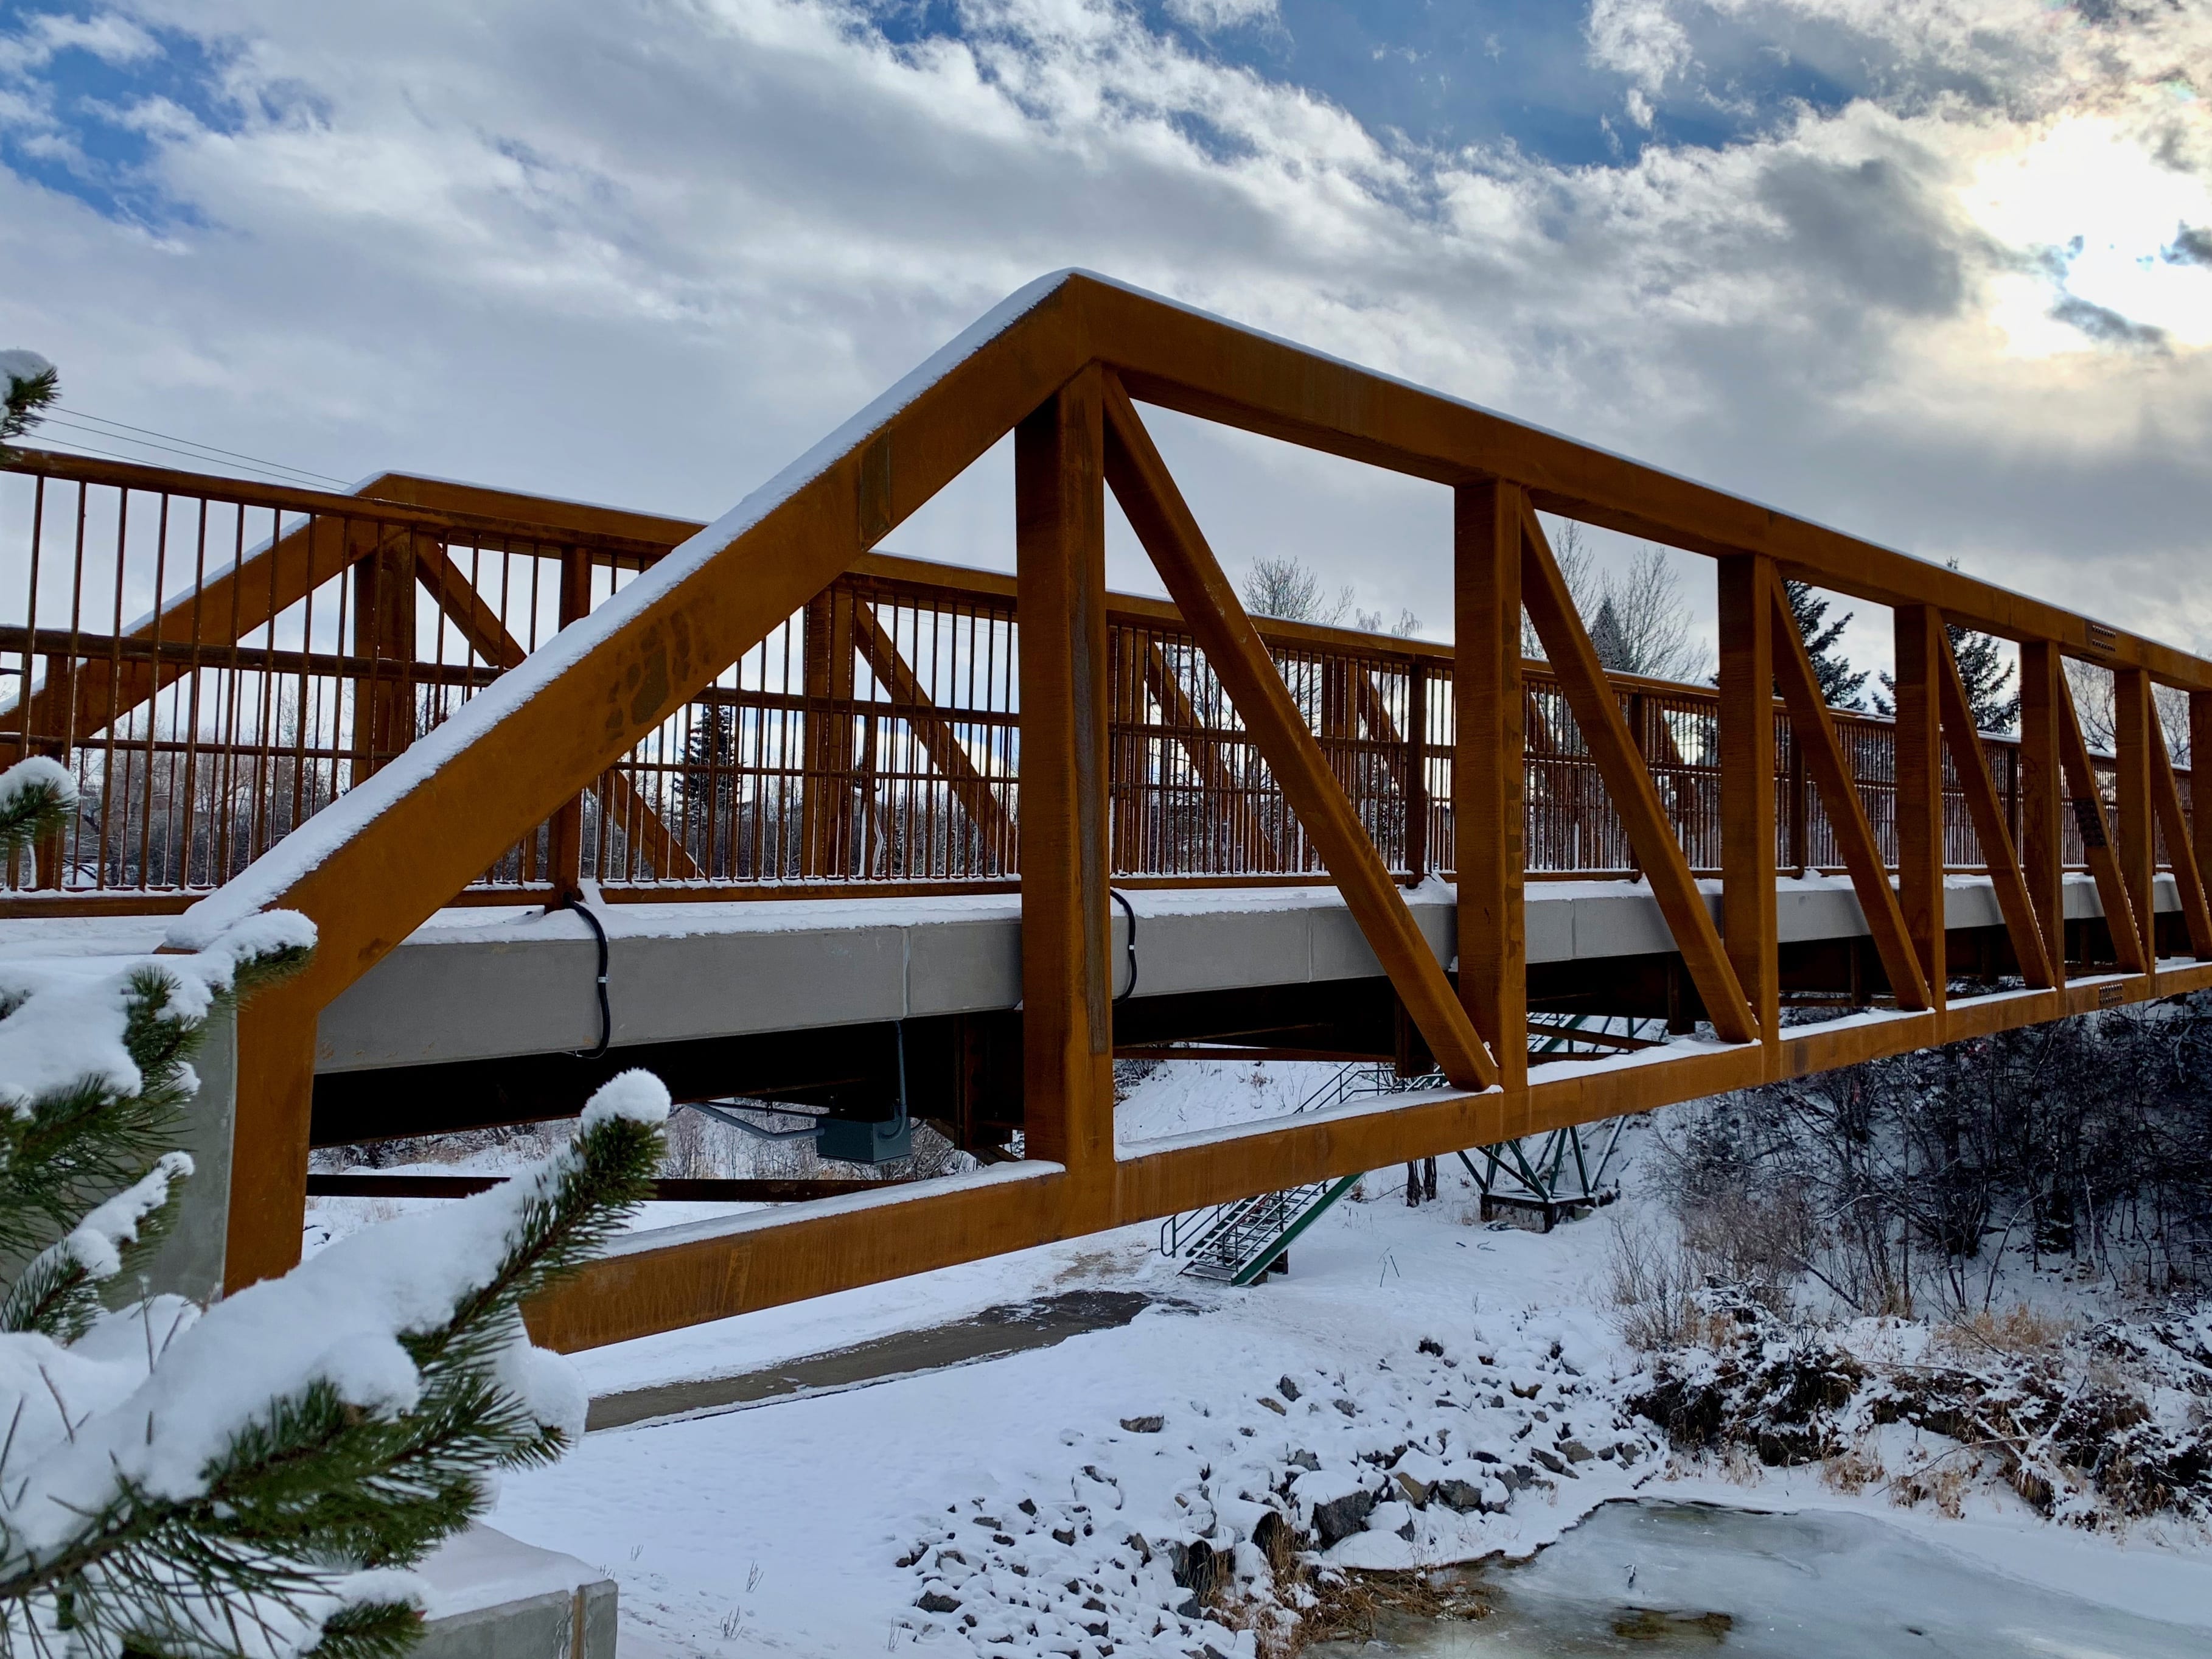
[1839, 685]
[28, 385]
[255, 1477]
[1981, 670]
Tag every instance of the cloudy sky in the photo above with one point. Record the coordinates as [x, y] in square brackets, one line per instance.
[1938, 272]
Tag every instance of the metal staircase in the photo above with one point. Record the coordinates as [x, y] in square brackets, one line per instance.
[1237, 1242]
[1240, 1241]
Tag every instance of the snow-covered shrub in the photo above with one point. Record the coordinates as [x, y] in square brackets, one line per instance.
[252, 1477]
[1916, 1183]
[2096, 1427]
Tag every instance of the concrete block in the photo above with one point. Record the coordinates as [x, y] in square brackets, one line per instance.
[495, 1597]
[190, 1261]
[958, 966]
[1193, 950]
[1806, 911]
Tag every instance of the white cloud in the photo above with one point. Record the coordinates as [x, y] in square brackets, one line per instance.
[1638, 39]
[1208, 16]
[649, 251]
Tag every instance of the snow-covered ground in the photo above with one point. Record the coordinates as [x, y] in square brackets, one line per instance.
[1031, 1504]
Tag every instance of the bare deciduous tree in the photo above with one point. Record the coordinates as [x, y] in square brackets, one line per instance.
[2092, 687]
[1288, 590]
[1637, 617]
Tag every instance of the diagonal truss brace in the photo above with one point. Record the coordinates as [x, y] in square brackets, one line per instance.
[1831, 773]
[1194, 580]
[1597, 712]
[1999, 856]
[970, 787]
[2087, 805]
[2181, 851]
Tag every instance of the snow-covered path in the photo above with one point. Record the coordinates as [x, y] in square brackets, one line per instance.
[846, 1523]
[779, 1529]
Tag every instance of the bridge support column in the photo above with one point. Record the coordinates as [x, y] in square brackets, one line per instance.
[2134, 828]
[2200, 797]
[1747, 776]
[2043, 795]
[1920, 789]
[1060, 562]
[1490, 772]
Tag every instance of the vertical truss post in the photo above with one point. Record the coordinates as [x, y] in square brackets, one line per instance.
[2043, 795]
[1746, 735]
[1920, 789]
[2200, 792]
[275, 1085]
[383, 625]
[1415, 792]
[826, 789]
[1490, 770]
[565, 853]
[1801, 827]
[2135, 829]
[1059, 563]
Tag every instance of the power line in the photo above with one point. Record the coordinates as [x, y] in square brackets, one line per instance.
[77, 444]
[190, 444]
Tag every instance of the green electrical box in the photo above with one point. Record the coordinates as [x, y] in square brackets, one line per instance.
[852, 1140]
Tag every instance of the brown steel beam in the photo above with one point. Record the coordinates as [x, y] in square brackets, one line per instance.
[2135, 827]
[1747, 772]
[1489, 770]
[1919, 634]
[1067, 1017]
[665, 1191]
[941, 1223]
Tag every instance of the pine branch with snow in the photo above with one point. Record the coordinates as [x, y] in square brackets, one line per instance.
[339, 1422]
[28, 385]
[254, 1478]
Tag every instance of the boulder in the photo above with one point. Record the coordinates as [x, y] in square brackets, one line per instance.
[1340, 1517]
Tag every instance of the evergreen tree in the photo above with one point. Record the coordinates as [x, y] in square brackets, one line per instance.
[1839, 685]
[254, 1478]
[1981, 670]
[1608, 640]
[29, 384]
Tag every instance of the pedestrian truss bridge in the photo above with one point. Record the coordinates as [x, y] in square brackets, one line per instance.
[799, 823]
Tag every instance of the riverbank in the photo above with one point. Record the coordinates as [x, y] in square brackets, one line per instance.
[1057, 1500]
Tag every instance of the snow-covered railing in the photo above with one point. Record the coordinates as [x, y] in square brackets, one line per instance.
[304, 640]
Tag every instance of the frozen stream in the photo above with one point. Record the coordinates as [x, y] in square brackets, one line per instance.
[1649, 1578]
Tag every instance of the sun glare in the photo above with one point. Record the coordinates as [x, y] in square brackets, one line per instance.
[2092, 200]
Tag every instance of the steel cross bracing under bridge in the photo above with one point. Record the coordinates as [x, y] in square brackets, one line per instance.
[1550, 1175]
[771, 706]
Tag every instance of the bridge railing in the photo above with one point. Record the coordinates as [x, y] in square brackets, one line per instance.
[218, 659]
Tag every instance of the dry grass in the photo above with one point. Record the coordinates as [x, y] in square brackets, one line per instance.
[1356, 1606]
[2020, 1331]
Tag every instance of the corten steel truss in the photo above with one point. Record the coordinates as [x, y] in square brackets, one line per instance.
[1062, 367]
[870, 746]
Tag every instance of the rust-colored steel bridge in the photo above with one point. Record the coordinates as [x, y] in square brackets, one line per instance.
[761, 739]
